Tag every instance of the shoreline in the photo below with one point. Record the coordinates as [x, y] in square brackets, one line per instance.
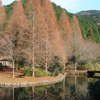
[77, 72]
[6, 80]
[30, 81]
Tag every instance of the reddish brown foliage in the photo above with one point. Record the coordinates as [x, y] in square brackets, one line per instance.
[65, 30]
[2, 15]
[76, 27]
[0, 3]
[65, 27]
[18, 17]
[36, 27]
[40, 32]
[54, 38]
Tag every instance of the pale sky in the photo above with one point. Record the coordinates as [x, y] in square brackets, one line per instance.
[72, 6]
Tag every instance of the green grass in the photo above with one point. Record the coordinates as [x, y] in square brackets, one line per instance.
[27, 72]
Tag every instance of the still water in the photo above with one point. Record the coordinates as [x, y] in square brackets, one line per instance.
[72, 88]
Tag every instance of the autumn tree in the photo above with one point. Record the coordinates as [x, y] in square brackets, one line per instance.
[7, 49]
[80, 50]
[31, 15]
[19, 34]
[2, 17]
[55, 43]
[65, 31]
[76, 50]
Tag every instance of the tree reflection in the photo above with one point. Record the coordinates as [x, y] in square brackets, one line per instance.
[22, 93]
[76, 88]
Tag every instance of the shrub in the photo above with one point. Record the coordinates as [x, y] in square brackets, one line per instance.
[20, 63]
[56, 67]
[40, 72]
[27, 72]
[92, 66]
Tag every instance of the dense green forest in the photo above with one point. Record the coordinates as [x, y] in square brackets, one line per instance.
[89, 22]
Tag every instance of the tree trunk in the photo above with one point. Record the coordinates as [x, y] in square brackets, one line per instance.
[64, 90]
[13, 69]
[64, 68]
[46, 66]
[46, 63]
[33, 66]
[75, 67]
[33, 74]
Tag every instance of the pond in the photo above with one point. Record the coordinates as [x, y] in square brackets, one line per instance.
[72, 88]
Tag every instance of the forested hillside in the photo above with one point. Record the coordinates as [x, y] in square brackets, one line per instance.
[90, 24]
[40, 34]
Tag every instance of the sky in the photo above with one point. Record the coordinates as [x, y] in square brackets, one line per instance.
[72, 6]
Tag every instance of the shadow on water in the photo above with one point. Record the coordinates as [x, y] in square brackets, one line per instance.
[72, 88]
[94, 90]
[97, 77]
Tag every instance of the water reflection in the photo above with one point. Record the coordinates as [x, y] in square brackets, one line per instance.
[72, 88]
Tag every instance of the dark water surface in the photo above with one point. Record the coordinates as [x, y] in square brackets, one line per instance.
[72, 88]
